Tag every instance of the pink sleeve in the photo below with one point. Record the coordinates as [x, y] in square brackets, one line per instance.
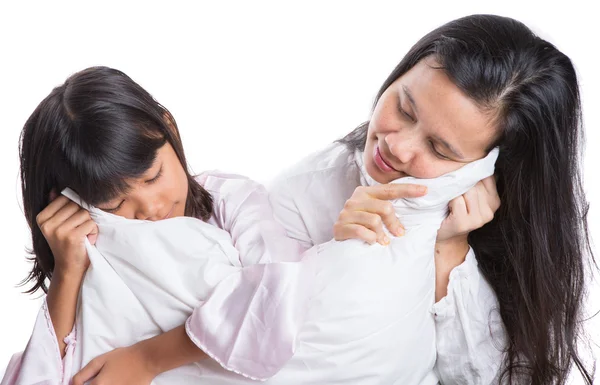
[242, 208]
[41, 362]
[250, 321]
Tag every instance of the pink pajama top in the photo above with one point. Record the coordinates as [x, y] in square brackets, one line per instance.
[242, 208]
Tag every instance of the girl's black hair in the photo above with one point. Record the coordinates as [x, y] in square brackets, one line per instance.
[91, 134]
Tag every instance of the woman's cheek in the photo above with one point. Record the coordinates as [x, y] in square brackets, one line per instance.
[427, 168]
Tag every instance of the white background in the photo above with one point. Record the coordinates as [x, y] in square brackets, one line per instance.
[254, 86]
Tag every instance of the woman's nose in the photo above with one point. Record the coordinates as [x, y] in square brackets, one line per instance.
[402, 145]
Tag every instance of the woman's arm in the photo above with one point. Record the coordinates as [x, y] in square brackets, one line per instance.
[470, 335]
[465, 317]
[448, 255]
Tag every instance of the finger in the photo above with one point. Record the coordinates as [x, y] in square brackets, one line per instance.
[77, 219]
[485, 210]
[458, 207]
[492, 191]
[90, 229]
[88, 372]
[371, 221]
[471, 199]
[392, 191]
[66, 215]
[352, 231]
[490, 185]
[50, 210]
[385, 210]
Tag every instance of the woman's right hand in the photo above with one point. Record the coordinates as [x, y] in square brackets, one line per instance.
[65, 225]
[369, 209]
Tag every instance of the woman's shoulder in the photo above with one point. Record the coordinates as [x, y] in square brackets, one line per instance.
[222, 185]
[332, 162]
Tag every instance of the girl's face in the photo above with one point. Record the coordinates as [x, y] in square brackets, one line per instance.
[160, 193]
[424, 126]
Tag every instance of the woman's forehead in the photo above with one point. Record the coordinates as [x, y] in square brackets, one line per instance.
[444, 110]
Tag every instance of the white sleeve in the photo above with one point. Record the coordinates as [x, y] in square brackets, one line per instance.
[469, 331]
[288, 214]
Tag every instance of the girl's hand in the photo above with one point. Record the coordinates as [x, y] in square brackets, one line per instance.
[123, 366]
[369, 208]
[65, 225]
[470, 211]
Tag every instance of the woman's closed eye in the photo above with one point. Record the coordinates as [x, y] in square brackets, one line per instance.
[405, 114]
[436, 152]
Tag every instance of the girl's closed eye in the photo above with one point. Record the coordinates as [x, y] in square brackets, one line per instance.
[112, 210]
[153, 180]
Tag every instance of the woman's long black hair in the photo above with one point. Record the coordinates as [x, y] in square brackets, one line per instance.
[533, 253]
[91, 134]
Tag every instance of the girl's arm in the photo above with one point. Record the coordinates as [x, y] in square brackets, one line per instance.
[62, 304]
[47, 358]
[65, 227]
[242, 208]
[139, 364]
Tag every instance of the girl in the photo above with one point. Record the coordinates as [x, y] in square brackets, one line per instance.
[105, 137]
[473, 84]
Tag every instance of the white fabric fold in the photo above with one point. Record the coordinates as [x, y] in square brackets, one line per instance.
[148, 277]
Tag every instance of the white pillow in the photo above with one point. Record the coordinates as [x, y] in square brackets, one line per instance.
[346, 313]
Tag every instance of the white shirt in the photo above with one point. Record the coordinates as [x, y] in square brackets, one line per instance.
[308, 198]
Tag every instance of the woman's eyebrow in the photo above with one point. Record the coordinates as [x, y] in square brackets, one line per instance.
[448, 146]
[410, 98]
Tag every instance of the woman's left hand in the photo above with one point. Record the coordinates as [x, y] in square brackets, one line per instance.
[126, 366]
[470, 211]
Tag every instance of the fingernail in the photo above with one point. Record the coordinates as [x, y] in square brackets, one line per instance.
[399, 231]
[423, 189]
[385, 240]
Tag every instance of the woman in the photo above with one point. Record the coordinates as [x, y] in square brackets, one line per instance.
[473, 84]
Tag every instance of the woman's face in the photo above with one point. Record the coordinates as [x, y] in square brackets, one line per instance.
[160, 193]
[424, 126]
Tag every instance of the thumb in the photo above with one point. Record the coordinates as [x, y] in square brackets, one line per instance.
[93, 235]
[92, 238]
[89, 371]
